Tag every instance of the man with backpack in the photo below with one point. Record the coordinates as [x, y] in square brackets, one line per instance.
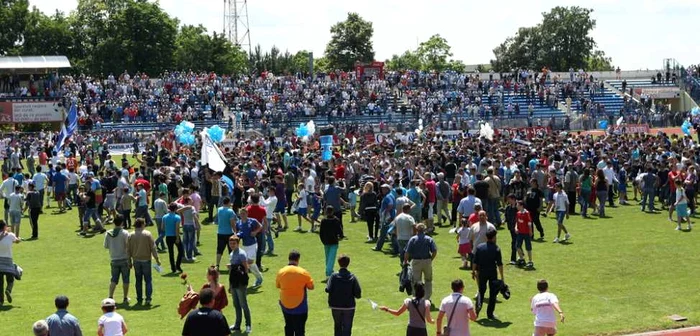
[343, 288]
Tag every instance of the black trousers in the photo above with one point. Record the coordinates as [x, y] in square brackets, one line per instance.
[295, 324]
[342, 320]
[6, 279]
[372, 218]
[486, 280]
[289, 193]
[171, 241]
[34, 221]
[611, 202]
[572, 201]
[536, 220]
[213, 205]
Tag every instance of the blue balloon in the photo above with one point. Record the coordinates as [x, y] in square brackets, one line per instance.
[179, 130]
[695, 111]
[216, 133]
[302, 131]
[603, 124]
[685, 130]
[187, 126]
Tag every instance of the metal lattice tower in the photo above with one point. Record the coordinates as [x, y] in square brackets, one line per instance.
[236, 27]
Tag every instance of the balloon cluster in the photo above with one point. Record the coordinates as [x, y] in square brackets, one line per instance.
[183, 133]
[603, 124]
[420, 126]
[485, 131]
[695, 111]
[686, 127]
[216, 133]
[304, 131]
[326, 147]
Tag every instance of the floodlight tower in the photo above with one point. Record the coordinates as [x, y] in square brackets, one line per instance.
[236, 27]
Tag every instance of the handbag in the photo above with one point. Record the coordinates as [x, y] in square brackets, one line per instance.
[18, 272]
[446, 329]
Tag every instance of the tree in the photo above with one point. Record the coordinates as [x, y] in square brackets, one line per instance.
[198, 51]
[351, 41]
[48, 35]
[13, 20]
[409, 60]
[433, 53]
[456, 65]
[322, 64]
[561, 41]
[599, 62]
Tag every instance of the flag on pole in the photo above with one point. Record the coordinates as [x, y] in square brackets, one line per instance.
[67, 128]
[211, 154]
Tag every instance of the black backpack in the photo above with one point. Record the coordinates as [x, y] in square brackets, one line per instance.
[237, 276]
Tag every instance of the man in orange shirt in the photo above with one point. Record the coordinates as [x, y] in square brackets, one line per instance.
[293, 282]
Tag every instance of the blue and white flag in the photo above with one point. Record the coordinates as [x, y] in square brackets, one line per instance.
[68, 128]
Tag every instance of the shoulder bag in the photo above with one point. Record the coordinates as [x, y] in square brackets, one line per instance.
[446, 329]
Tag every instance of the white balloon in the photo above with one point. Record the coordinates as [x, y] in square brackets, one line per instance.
[420, 121]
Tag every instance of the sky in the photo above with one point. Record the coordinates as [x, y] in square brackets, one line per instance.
[637, 34]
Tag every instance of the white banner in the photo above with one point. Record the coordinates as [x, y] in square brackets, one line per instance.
[36, 112]
[122, 148]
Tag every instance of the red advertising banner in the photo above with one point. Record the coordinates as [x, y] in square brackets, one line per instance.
[5, 112]
[30, 111]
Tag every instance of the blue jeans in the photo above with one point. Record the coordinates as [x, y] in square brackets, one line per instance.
[648, 199]
[90, 213]
[142, 212]
[160, 241]
[268, 238]
[585, 203]
[492, 211]
[188, 240]
[240, 302]
[602, 197]
[331, 251]
[382, 236]
[142, 270]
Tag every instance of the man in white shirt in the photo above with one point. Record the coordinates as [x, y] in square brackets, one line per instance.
[40, 181]
[456, 306]
[543, 306]
[6, 188]
[611, 178]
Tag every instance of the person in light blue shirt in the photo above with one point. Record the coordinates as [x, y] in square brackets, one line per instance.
[226, 223]
[171, 223]
[387, 212]
[63, 323]
[142, 205]
[40, 181]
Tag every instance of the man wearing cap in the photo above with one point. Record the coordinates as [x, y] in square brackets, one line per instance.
[63, 323]
[420, 251]
[387, 212]
[111, 323]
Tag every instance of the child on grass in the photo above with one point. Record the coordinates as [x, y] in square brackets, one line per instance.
[681, 205]
[464, 239]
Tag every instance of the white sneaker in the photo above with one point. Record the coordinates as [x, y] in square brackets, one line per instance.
[678, 228]
[567, 236]
[556, 240]
[248, 330]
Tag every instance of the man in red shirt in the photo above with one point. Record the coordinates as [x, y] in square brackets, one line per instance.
[523, 232]
[340, 171]
[258, 212]
[144, 182]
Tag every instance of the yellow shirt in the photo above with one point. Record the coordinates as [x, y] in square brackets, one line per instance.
[293, 281]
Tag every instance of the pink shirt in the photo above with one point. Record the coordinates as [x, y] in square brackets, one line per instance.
[196, 201]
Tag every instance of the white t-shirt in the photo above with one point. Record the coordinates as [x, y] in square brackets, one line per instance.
[309, 184]
[112, 323]
[680, 194]
[460, 323]
[302, 199]
[270, 205]
[542, 306]
[465, 235]
[6, 245]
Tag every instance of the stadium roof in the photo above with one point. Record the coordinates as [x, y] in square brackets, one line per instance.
[34, 62]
